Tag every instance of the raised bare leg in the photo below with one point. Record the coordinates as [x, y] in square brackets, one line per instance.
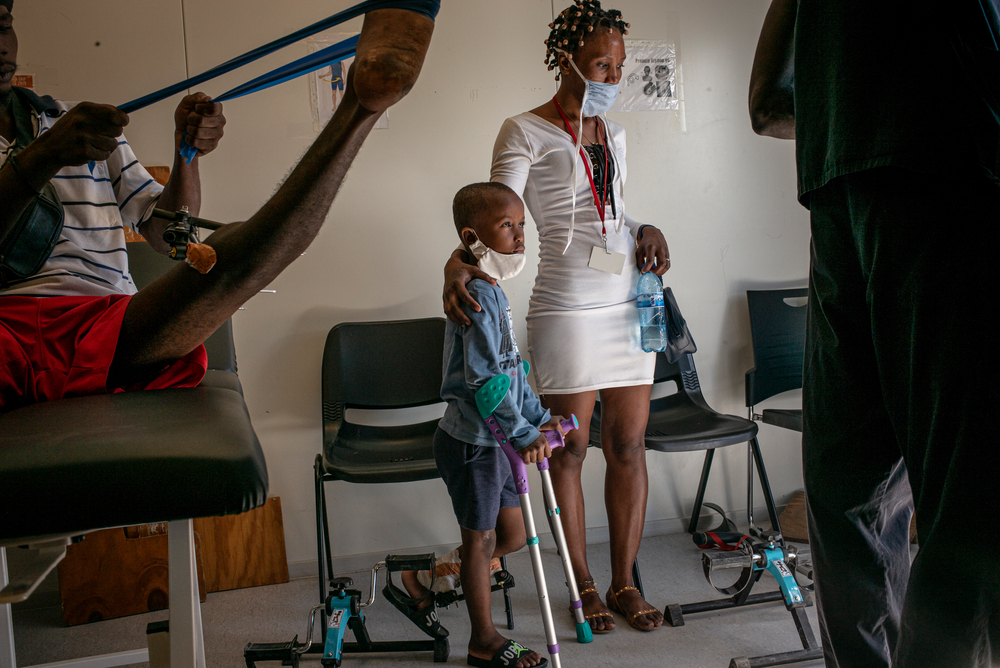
[566, 468]
[625, 411]
[171, 317]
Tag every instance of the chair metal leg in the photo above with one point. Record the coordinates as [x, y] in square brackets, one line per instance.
[7, 658]
[636, 578]
[187, 644]
[506, 598]
[320, 509]
[764, 484]
[326, 533]
[700, 497]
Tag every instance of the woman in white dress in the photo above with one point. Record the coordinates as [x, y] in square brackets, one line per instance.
[583, 325]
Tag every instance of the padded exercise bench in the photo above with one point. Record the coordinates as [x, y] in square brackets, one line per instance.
[77, 465]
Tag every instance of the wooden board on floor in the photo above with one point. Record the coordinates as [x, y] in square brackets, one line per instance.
[245, 550]
[793, 519]
[119, 572]
[795, 525]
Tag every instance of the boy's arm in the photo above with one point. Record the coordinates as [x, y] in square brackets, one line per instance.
[531, 407]
[481, 345]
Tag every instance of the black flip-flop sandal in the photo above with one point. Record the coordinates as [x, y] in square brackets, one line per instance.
[506, 657]
[425, 618]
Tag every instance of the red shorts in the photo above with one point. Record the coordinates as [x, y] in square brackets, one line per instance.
[55, 347]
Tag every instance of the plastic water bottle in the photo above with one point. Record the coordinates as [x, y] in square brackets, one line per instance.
[652, 327]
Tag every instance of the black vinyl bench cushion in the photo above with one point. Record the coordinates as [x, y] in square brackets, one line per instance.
[115, 460]
[787, 418]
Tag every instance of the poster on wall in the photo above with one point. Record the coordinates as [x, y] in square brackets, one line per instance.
[326, 85]
[649, 82]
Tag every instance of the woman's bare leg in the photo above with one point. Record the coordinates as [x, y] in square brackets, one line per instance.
[624, 413]
[171, 317]
[566, 468]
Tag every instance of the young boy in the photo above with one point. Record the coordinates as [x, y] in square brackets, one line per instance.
[489, 218]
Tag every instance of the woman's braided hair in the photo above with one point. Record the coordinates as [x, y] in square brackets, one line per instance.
[574, 24]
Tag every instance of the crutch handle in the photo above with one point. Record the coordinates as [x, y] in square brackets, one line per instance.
[554, 438]
[517, 464]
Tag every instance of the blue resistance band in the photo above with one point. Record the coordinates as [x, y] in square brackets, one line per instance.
[311, 63]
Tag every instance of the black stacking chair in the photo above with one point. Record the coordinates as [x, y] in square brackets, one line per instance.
[77, 465]
[379, 366]
[778, 333]
[683, 422]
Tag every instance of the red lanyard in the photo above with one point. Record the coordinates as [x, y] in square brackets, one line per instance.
[601, 206]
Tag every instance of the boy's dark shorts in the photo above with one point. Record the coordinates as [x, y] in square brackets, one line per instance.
[479, 480]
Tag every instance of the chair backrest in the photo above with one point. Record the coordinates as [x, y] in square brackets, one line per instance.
[382, 365]
[778, 334]
[146, 265]
[685, 375]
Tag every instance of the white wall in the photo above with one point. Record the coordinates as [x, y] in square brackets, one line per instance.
[724, 198]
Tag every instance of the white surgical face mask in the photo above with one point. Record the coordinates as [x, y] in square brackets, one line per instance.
[597, 97]
[500, 266]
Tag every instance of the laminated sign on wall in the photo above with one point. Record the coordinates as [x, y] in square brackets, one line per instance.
[326, 85]
[649, 82]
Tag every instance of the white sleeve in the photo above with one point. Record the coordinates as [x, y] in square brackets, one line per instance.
[632, 226]
[135, 190]
[512, 157]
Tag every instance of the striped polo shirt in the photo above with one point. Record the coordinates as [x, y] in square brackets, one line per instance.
[98, 200]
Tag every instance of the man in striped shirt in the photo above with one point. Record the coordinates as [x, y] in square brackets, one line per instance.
[78, 326]
[100, 198]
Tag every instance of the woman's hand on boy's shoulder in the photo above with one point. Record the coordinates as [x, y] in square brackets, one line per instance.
[457, 275]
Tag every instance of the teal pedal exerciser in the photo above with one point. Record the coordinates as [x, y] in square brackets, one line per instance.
[488, 398]
[344, 611]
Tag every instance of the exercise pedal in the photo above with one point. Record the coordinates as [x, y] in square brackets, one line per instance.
[409, 562]
[342, 611]
[754, 554]
[504, 581]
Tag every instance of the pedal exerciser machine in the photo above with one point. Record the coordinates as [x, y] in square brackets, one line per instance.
[343, 610]
[754, 553]
[488, 397]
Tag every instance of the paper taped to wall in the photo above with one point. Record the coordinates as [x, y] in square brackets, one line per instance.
[649, 82]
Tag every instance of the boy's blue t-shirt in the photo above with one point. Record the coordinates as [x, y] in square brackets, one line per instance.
[472, 356]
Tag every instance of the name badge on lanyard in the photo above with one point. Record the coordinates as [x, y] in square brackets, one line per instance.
[601, 258]
[605, 260]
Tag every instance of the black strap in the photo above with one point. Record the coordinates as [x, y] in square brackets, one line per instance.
[29, 243]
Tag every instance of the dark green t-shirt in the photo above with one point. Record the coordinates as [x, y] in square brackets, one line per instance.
[885, 82]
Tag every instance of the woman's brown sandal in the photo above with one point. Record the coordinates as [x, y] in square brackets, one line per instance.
[590, 587]
[614, 605]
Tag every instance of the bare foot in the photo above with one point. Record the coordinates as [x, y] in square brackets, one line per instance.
[416, 590]
[630, 604]
[594, 611]
[484, 652]
[390, 53]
